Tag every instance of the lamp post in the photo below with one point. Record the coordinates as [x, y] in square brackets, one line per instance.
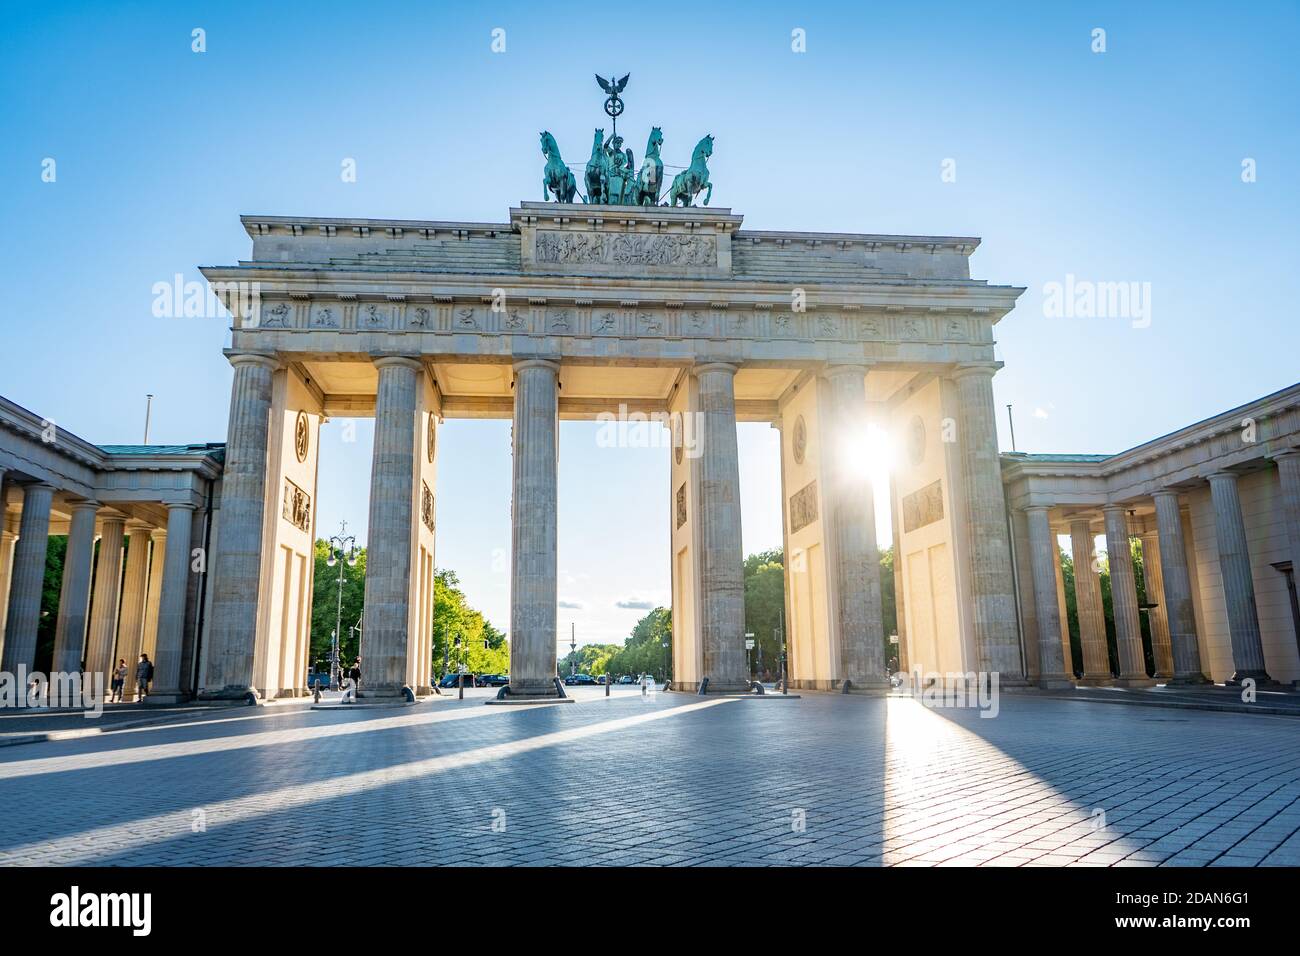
[749, 646]
[460, 670]
[342, 546]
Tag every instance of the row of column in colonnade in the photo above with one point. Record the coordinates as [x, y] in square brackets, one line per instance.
[720, 601]
[1174, 639]
[139, 611]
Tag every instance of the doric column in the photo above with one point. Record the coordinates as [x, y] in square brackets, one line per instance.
[189, 643]
[1051, 661]
[533, 529]
[1153, 577]
[1179, 606]
[171, 607]
[1238, 583]
[74, 594]
[992, 586]
[149, 637]
[1067, 652]
[1124, 600]
[27, 579]
[8, 539]
[237, 564]
[852, 511]
[103, 609]
[1288, 476]
[1087, 601]
[392, 511]
[721, 602]
[135, 591]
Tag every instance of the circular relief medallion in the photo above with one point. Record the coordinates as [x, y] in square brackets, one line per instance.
[301, 436]
[431, 440]
[800, 439]
[916, 440]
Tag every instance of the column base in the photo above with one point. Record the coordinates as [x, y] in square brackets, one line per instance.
[1260, 677]
[1095, 681]
[156, 698]
[234, 693]
[1135, 681]
[385, 692]
[1189, 680]
[1055, 682]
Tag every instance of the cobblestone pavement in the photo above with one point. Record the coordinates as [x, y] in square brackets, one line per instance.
[670, 779]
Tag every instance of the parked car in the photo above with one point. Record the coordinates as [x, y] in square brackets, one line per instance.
[626, 679]
[451, 679]
[602, 679]
[583, 679]
[493, 680]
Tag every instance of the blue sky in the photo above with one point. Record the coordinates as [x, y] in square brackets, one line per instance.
[1115, 166]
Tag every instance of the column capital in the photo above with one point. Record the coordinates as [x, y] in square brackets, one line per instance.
[835, 370]
[85, 504]
[136, 526]
[1221, 475]
[1112, 508]
[265, 359]
[396, 361]
[181, 506]
[522, 364]
[728, 367]
[114, 519]
[1035, 509]
[965, 369]
[1289, 454]
[158, 534]
[1165, 493]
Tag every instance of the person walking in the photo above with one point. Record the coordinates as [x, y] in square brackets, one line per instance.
[119, 680]
[143, 675]
[355, 673]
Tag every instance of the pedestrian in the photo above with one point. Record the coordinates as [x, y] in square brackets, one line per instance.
[143, 675]
[119, 680]
[355, 673]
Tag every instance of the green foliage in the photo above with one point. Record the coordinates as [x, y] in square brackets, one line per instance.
[765, 608]
[644, 651]
[483, 648]
[325, 605]
[51, 586]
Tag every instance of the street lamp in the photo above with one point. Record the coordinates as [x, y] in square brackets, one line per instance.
[460, 676]
[342, 546]
[749, 646]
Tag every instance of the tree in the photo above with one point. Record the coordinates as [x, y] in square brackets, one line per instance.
[51, 588]
[765, 607]
[644, 651]
[483, 648]
[325, 604]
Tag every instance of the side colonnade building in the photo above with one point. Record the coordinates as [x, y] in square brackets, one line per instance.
[138, 526]
[1215, 511]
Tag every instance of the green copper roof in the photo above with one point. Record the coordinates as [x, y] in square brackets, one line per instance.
[1026, 456]
[212, 449]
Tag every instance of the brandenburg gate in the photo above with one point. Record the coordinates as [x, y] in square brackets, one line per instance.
[569, 310]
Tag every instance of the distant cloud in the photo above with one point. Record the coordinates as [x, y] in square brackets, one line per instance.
[571, 605]
[636, 604]
[1040, 413]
